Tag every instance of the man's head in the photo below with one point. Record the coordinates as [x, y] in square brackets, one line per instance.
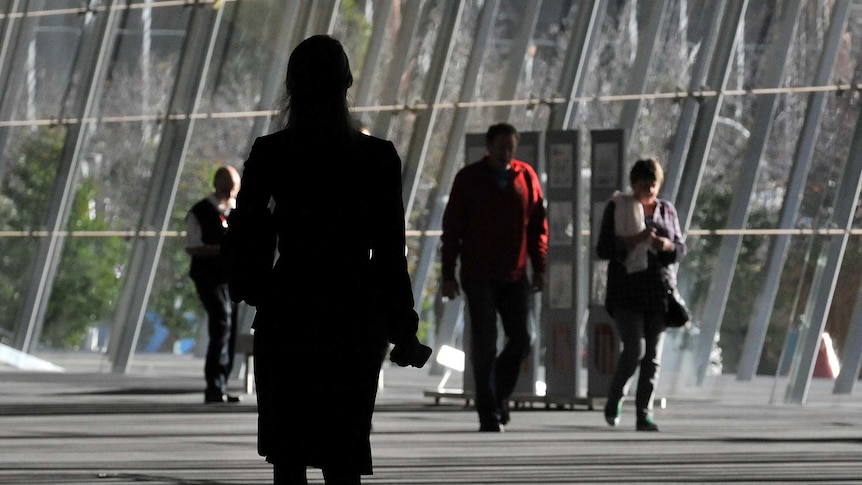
[226, 182]
[501, 142]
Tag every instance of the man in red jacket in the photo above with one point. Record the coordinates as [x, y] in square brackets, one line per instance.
[495, 222]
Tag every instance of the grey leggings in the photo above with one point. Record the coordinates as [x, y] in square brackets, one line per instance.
[642, 335]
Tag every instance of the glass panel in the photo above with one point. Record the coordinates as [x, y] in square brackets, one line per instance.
[113, 182]
[16, 269]
[49, 64]
[245, 47]
[846, 291]
[379, 74]
[679, 43]
[175, 319]
[109, 197]
[464, 37]
[81, 307]
[144, 63]
[175, 316]
[807, 43]
[353, 29]
[25, 188]
[654, 132]
[117, 154]
[610, 60]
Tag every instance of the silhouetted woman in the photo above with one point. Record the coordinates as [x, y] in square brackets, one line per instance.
[339, 291]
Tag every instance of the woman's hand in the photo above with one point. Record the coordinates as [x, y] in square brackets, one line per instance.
[412, 353]
[635, 239]
[661, 244]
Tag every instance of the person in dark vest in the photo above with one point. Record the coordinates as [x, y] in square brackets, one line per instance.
[206, 227]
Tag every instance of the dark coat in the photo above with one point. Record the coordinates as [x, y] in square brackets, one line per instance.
[644, 290]
[338, 294]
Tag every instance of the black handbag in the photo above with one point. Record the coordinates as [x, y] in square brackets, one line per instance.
[677, 313]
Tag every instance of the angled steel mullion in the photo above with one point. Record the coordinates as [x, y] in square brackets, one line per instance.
[274, 79]
[428, 242]
[91, 68]
[420, 139]
[410, 16]
[585, 32]
[526, 28]
[648, 39]
[826, 278]
[704, 125]
[365, 82]
[691, 106]
[15, 37]
[702, 139]
[722, 274]
[852, 355]
[756, 335]
[170, 157]
[322, 16]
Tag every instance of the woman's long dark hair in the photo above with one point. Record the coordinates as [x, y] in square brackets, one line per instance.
[315, 98]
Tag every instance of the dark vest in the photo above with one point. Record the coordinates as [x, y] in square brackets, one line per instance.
[209, 270]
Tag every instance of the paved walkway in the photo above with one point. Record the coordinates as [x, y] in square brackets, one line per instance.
[149, 427]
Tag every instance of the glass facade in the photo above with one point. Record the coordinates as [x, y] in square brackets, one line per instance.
[115, 114]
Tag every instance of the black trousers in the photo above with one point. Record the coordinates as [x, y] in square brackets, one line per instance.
[222, 327]
[497, 375]
[642, 335]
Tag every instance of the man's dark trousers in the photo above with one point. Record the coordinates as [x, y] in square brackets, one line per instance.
[496, 376]
[221, 323]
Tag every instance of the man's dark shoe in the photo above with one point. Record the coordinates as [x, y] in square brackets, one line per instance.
[646, 424]
[491, 428]
[504, 412]
[613, 412]
[224, 398]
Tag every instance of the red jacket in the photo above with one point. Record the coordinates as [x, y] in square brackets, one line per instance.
[493, 230]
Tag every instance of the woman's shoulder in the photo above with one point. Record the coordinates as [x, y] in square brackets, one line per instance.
[377, 152]
[667, 205]
[371, 142]
[272, 139]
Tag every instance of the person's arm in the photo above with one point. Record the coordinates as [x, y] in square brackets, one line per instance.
[675, 250]
[608, 245]
[537, 232]
[450, 240]
[389, 254]
[255, 192]
[194, 240]
[248, 248]
[394, 291]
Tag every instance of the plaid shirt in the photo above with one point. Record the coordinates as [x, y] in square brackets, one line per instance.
[643, 291]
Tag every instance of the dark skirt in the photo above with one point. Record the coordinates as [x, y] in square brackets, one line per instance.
[316, 383]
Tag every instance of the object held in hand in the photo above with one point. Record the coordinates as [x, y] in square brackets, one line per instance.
[414, 355]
